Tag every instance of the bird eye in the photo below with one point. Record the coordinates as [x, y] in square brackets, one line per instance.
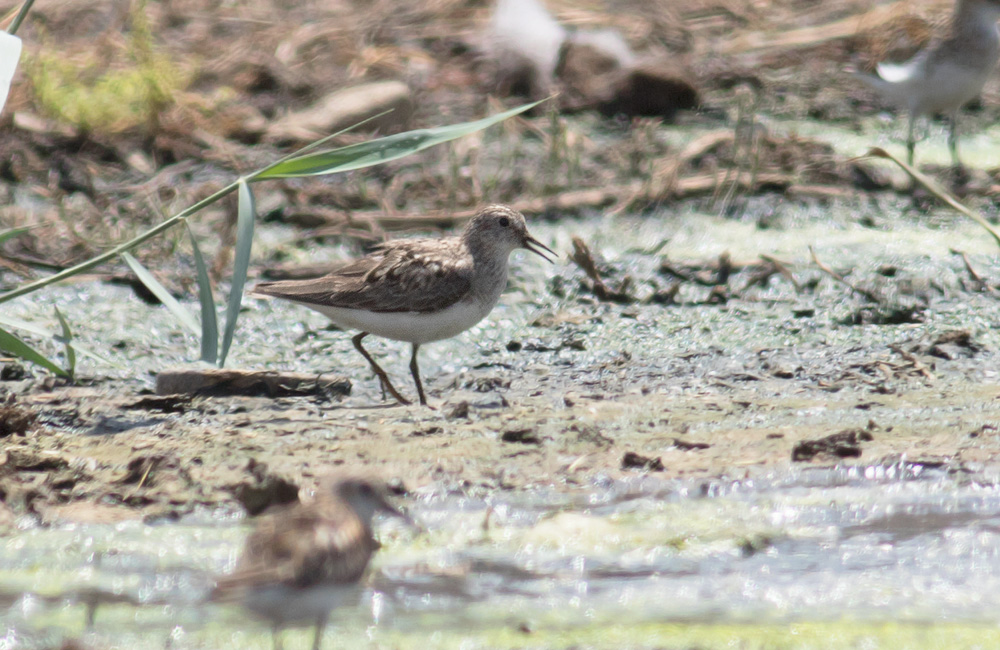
[504, 221]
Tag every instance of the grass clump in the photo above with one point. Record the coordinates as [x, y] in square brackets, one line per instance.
[96, 93]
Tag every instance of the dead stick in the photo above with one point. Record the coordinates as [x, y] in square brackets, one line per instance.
[585, 260]
[915, 362]
[978, 279]
[783, 270]
[627, 194]
[836, 276]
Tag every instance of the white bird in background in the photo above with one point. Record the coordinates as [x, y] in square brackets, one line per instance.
[948, 73]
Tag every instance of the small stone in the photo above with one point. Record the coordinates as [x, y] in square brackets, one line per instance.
[685, 445]
[459, 411]
[12, 371]
[523, 436]
[632, 460]
[845, 444]
[15, 420]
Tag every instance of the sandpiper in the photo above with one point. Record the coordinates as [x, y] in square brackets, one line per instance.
[948, 73]
[418, 290]
[304, 560]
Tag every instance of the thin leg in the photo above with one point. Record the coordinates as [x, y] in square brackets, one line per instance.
[953, 140]
[384, 378]
[415, 371]
[911, 143]
[276, 636]
[320, 627]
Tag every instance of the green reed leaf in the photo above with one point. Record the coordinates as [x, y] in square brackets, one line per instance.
[378, 151]
[67, 340]
[241, 264]
[209, 319]
[180, 312]
[13, 345]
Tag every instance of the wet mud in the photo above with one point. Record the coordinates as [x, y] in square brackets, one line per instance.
[756, 403]
[752, 364]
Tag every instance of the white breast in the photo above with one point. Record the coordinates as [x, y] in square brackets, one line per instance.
[410, 326]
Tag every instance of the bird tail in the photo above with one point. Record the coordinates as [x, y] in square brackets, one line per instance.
[873, 81]
[884, 82]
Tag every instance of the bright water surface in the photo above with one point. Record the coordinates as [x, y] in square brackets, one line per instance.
[901, 542]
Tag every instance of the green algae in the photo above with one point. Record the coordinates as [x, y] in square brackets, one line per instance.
[840, 635]
[153, 628]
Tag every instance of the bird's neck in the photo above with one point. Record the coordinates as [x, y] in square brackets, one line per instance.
[491, 271]
[976, 18]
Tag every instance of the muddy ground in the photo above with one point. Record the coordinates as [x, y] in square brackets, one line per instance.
[725, 349]
[556, 388]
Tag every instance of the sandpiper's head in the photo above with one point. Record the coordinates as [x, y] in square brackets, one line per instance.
[366, 497]
[502, 228]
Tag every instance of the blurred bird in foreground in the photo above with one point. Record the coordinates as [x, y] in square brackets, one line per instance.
[302, 561]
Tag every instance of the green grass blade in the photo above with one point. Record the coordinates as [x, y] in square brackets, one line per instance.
[86, 265]
[374, 152]
[13, 345]
[13, 232]
[22, 12]
[158, 290]
[17, 324]
[209, 320]
[241, 263]
[67, 340]
[311, 164]
[319, 143]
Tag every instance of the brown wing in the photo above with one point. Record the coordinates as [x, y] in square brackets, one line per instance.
[408, 275]
[301, 547]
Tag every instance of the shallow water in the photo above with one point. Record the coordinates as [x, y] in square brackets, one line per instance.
[885, 555]
[838, 547]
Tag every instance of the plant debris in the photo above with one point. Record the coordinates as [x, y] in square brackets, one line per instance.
[16, 420]
[845, 444]
[522, 436]
[632, 460]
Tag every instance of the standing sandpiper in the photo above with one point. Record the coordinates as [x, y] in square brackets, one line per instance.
[946, 74]
[304, 560]
[418, 290]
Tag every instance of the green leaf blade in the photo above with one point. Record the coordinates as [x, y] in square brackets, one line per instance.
[13, 232]
[18, 324]
[241, 264]
[67, 340]
[209, 319]
[381, 150]
[180, 313]
[13, 345]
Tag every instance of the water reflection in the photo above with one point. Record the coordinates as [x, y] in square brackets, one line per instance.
[888, 542]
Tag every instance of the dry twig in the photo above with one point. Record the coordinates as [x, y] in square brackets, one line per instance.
[585, 260]
[918, 366]
[870, 295]
[783, 269]
[976, 278]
